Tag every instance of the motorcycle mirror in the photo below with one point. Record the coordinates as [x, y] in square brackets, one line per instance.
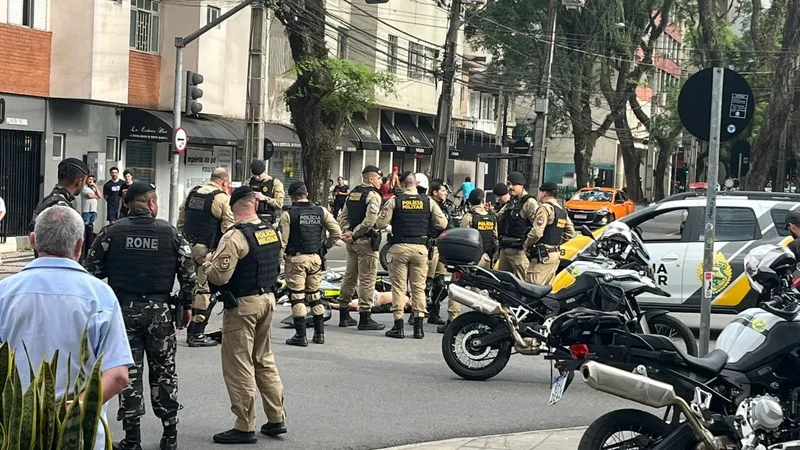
[585, 231]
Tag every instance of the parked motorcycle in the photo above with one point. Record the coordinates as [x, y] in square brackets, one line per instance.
[744, 395]
[478, 344]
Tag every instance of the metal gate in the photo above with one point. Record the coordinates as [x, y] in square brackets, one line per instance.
[20, 164]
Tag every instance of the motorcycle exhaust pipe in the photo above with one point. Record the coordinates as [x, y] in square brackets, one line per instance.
[644, 390]
[474, 300]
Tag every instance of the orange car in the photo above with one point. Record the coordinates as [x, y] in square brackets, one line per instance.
[596, 207]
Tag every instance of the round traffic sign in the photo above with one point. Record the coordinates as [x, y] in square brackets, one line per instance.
[694, 104]
[181, 140]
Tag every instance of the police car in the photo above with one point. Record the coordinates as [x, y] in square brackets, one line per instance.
[673, 233]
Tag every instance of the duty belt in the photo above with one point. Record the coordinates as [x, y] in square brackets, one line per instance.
[135, 297]
[256, 291]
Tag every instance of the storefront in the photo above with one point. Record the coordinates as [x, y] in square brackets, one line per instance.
[285, 162]
[22, 129]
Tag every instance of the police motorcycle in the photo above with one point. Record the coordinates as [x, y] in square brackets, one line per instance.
[478, 344]
[744, 395]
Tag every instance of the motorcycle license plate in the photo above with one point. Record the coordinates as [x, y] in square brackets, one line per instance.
[557, 391]
[580, 216]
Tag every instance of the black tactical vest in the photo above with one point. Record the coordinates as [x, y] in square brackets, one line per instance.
[357, 205]
[514, 228]
[306, 232]
[267, 188]
[58, 196]
[141, 257]
[200, 225]
[552, 233]
[485, 224]
[433, 233]
[257, 272]
[411, 219]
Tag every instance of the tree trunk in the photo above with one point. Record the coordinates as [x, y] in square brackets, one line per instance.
[666, 150]
[765, 149]
[630, 156]
[708, 12]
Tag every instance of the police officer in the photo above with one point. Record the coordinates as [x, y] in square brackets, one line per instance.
[141, 255]
[551, 228]
[302, 229]
[435, 281]
[244, 268]
[269, 192]
[357, 220]
[501, 196]
[410, 215]
[203, 218]
[793, 226]
[514, 222]
[72, 174]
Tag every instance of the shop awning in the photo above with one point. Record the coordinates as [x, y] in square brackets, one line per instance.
[281, 136]
[349, 141]
[417, 142]
[367, 137]
[390, 138]
[426, 127]
[470, 143]
[156, 126]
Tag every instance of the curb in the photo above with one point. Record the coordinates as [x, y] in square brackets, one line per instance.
[465, 440]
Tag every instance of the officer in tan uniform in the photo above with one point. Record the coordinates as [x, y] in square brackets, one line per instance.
[302, 229]
[551, 228]
[269, 191]
[410, 215]
[244, 269]
[203, 218]
[514, 222]
[357, 220]
[435, 281]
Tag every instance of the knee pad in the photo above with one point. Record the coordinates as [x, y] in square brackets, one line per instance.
[316, 302]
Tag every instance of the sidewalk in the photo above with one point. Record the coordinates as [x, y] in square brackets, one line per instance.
[561, 439]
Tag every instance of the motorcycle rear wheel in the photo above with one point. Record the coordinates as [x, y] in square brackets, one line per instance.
[646, 426]
[673, 328]
[457, 338]
[382, 256]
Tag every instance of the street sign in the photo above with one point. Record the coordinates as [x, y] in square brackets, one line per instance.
[181, 140]
[694, 105]
[740, 159]
[708, 278]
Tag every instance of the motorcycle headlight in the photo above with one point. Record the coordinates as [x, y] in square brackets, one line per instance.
[602, 211]
[608, 277]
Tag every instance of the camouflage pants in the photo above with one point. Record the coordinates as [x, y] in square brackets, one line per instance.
[151, 332]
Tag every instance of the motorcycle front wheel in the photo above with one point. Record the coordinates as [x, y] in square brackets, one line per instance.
[467, 360]
[677, 331]
[624, 429]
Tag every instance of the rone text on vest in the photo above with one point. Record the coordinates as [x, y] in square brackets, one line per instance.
[141, 243]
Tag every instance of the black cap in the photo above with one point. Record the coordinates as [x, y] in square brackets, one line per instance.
[297, 188]
[138, 189]
[548, 186]
[792, 217]
[500, 189]
[476, 197]
[371, 169]
[405, 175]
[257, 167]
[240, 193]
[76, 163]
[516, 178]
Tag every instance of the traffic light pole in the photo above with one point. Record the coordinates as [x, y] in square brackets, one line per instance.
[444, 113]
[180, 44]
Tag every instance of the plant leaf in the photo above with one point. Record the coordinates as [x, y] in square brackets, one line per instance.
[48, 420]
[32, 375]
[69, 437]
[92, 406]
[5, 372]
[15, 420]
[28, 432]
[109, 442]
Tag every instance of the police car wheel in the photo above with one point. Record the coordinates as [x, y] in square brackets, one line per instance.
[462, 353]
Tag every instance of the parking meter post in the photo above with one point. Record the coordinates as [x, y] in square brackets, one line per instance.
[711, 209]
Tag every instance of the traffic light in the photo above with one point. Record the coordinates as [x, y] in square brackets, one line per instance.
[193, 93]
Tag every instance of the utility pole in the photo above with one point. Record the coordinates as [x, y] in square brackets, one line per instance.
[444, 111]
[543, 101]
[500, 134]
[180, 44]
[651, 138]
[256, 82]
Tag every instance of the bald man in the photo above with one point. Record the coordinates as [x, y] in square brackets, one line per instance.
[203, 219]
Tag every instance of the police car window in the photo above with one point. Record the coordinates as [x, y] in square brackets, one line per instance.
[735, 224]
[779, 219]
[667, 226]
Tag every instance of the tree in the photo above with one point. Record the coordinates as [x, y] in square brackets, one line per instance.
[326, 92]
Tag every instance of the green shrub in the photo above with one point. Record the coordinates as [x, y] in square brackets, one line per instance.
[34, 419]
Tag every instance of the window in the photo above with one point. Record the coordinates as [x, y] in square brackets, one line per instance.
[341, 50]
[58, 146]
[27, 12]
[145, 22]
[735, 224]
[779, 218]
[391, 47]
[111, 149]
[212, 14]
[431, 63]
[474, 104]
[621, 197]
[140, 160]
[667, 226]
[416, 63]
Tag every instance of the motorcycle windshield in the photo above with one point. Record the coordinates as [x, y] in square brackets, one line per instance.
[762, 258]
[619, 231]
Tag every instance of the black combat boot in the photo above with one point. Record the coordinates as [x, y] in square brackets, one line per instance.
[299, 339]
[169, 439]
[234, 436]
[441, 328]
[201, 340]
[344, 316]
[419, 333]
[411, 319]
[397, 330]
[433, 313]
[133, 435]
[319, 330]
[367, 324]
[273, 429]
[436, 302]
